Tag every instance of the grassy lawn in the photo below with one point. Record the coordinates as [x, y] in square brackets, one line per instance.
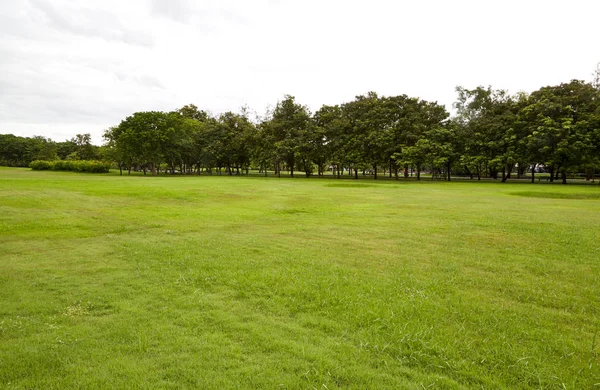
[234, 282]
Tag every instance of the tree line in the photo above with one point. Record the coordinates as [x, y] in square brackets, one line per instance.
[493, 134]
[18, 151]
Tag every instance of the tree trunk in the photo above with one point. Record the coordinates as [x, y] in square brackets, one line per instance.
[521, 170]
[478, 173]
[552, 174]
[469, 172]
[533, 173]
[563, 173]
[355, 173]
[375, 171]
[418, 172]
[504, 174]
[120, 169]
[449, 170]
[406, 171]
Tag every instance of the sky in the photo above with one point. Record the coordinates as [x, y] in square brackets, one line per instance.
[69, 67]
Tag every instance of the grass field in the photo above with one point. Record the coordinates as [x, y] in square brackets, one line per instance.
[232, 282]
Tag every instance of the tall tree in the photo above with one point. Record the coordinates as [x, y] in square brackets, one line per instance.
[83, 148]
[371, 130]
[143, 138]
[289, 121]
[564, 120]
[485, 123]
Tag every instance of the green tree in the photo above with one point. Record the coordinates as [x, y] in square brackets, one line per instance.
[82, 148]
[371, 131]
[415, 119]
[142, 138]
[190, 111]
[485, 124]
[13, 150]
[289, 121]
[563, 120]
[40, 148]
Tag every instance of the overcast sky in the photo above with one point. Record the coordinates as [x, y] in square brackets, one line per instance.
[69, 67]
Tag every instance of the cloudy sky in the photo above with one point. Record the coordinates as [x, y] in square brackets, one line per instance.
[69, 67]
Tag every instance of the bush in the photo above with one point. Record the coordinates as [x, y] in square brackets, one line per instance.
[88, 166]
[41, 165]
[59, 165]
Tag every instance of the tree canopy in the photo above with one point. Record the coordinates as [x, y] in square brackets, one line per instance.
[492, 133]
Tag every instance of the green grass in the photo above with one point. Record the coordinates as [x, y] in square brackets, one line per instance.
[559, 195]
[233, 282]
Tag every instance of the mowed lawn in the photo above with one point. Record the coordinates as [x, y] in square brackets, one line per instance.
[233, 282]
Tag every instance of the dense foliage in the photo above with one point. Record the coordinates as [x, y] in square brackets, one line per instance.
[89, 166]
[21, 151]
[555, 129]
[492, 134]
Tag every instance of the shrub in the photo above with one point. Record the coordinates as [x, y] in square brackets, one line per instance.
[88, 166]
[59, 165]
[41, 165]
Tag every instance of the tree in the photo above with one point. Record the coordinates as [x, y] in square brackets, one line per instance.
[236, 132]
[485, 123]
[82, 148]
[330, 128]
[190, 111]
[442, 149]
[563, 120]
[142, 138]
[65, 148]
[417, 118]
[40, 148]
[13, 150]
[288, 122]
[371, 130]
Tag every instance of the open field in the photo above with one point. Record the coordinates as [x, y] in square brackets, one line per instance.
[233, 282]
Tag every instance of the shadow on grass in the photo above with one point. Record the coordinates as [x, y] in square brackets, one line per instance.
[557, 195]
[352, 185]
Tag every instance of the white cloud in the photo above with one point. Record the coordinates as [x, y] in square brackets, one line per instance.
[69, 67]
